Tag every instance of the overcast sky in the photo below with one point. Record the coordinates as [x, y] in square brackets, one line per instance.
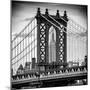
[23, 12]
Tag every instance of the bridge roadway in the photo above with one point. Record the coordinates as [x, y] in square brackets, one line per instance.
[72, 75]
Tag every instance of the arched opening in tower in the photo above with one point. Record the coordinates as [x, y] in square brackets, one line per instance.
[52, 44]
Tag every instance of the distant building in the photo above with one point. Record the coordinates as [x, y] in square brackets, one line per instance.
[27, 66]
[52, 50]
[71, 64]
[85, 59]
[33, 63]
[12, 72]
[84, 63]
[20, 69]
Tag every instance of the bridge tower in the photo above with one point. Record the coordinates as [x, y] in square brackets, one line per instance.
[43, 27]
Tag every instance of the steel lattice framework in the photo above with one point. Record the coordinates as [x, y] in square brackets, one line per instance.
[32, 42]
[43, 22]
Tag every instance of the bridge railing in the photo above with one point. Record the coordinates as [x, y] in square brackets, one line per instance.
[34, 75]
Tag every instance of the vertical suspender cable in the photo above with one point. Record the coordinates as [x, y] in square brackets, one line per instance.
[83, 47]
[70, 48]
[20, 49]
[29, 46]
[36, 42]
[34, 39]
[17, 52]
[68, 43]
[26, 44]
[80, 46]
[14, 53]
[86, 44]
[31, 43]
[73, 49]
[78, 49]
[23, 50]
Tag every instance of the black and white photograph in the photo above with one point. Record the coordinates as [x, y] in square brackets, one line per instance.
[49, 45]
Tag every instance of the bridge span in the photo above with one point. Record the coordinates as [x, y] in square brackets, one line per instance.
[67, 75]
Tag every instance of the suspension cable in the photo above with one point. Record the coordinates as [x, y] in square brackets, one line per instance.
[25, 48]
[25, 55]
[17, 51]
[56, 25]
[26, 45]
[29, 46]
[20, 47]
[24, 28]
[72, 21]
[34, 38]
[25, 37]
[31, 41]
[61, 24]
[51, 22]
[64, 27]
[77, 24]
[23, 51]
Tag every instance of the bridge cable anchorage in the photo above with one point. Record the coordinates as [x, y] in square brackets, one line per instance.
[24, 28]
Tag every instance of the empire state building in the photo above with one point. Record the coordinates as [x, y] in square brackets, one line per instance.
[52, 49]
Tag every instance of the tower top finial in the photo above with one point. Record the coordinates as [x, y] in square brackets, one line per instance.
[46, 11]
[65, 13]
[57, 14]
[52, 36]
[38, 12]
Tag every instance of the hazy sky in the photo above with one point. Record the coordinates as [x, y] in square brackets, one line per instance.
[23, 12]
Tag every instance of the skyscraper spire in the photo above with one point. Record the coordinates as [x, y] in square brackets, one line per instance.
[52, 52]
[52, 36]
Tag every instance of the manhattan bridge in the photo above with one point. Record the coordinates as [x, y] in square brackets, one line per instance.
[40, 52]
